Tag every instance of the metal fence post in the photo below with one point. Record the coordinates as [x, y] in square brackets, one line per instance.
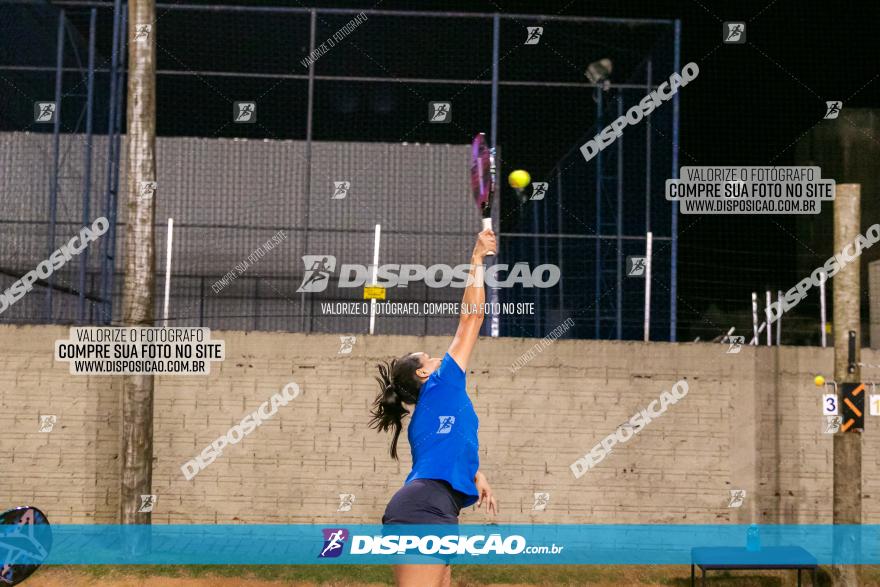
[619, 312]
[561, 297]
[112, 160]
[306, 305]
[495, 319]
[598, 268]
[673, 277]
[201, 302]
[56, 156]
[87, 176]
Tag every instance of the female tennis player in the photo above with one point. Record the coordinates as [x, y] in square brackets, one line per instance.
[442, 434]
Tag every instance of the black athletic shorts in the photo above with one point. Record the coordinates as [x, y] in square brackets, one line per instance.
[425, 501]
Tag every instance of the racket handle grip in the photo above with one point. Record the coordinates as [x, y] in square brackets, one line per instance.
[487, 225]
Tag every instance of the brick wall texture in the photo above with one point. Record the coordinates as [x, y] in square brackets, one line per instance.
[751, 420]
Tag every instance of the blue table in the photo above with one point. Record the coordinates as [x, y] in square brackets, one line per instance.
[769, 558]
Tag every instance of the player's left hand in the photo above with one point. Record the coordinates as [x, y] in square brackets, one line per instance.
[486, 495]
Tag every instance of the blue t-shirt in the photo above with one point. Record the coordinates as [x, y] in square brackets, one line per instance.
[443, 431]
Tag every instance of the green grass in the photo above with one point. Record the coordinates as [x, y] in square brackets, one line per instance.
[465, 575]
[315, 573]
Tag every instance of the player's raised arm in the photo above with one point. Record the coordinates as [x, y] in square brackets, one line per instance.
[472, 301]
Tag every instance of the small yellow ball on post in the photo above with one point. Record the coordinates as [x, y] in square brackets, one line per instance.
[819, 381]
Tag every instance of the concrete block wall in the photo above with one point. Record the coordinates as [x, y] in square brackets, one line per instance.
[750, 420]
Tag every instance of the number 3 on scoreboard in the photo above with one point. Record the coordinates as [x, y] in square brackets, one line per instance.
[829, 404]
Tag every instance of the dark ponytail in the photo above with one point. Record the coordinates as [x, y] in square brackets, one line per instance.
[398, 384]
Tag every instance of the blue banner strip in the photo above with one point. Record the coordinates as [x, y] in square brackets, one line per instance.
[730, 545]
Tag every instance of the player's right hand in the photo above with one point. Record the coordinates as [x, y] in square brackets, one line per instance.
[485, 244]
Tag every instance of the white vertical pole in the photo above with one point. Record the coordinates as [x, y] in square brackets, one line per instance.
[779, 320]
[754, 318]
[168, 270]
[649, 242]
[822, 309]
[375, 276]
[768, 300]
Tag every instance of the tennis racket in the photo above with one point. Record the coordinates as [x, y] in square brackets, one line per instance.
[25, 540]
[483, 178]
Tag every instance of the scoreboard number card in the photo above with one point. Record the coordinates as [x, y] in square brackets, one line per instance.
[829, 404]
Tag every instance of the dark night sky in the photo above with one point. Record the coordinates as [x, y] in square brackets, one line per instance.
[749, 106]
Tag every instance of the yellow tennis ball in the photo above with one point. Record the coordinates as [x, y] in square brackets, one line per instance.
[518, 179]
[819, 381]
